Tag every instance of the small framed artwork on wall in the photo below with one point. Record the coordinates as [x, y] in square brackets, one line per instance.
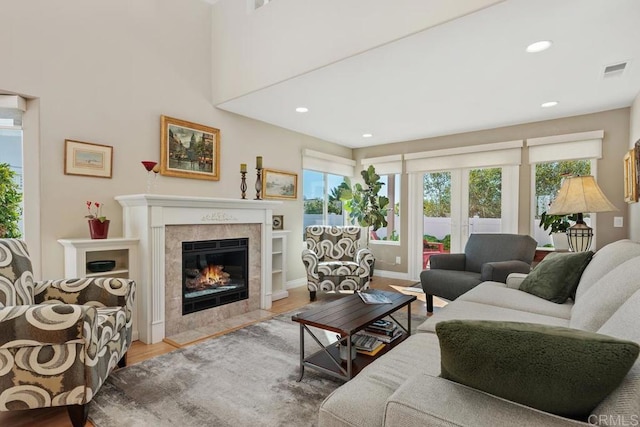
[279, 184]
[87, 159]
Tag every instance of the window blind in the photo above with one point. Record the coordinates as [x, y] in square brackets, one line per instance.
[11, 109]
[475, 156]
[328, 163]
[384, 165]
[574, 146]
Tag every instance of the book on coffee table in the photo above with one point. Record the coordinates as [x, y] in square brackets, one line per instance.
[383, 336]
[374, 298]
[364, 342]
[373, 352]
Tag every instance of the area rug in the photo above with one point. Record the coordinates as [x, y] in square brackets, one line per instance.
[416, 290]
[245, 378]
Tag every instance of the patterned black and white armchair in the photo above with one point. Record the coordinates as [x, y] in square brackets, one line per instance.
[59, 339]
[334, 260]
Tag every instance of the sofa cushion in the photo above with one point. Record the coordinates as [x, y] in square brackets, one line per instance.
[415, 404]
[361, 401]
[495, 293]
[624, 402]
[596, 306]
[338, 268]
[605, 260]
[468, 310]
[557, 276]
[563, 371]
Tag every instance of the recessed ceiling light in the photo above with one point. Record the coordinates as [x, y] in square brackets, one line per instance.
[367, 135]
[549, 104]
[539, 46]
[302, 109]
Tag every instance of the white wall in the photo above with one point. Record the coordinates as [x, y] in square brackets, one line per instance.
[634, 133]
[104, 72]
[257, 49]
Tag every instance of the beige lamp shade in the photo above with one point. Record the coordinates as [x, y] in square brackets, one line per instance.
[580, 194]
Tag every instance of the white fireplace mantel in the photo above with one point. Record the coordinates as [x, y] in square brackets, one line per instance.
[145, 217]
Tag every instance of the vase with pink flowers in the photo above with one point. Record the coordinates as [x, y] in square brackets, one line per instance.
[98, 223]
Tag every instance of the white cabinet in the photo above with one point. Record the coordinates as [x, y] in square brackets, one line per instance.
[279, 264]
[77, 252]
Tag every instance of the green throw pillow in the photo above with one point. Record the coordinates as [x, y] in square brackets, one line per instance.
[557, 276]
[563, 371]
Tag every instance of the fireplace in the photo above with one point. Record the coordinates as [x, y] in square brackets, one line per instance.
[162, 223]
[214, 273]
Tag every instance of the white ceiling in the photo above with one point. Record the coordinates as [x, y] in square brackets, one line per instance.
[469, 74]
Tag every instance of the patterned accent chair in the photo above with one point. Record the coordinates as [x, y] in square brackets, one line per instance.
[334, 260]
[59, 339]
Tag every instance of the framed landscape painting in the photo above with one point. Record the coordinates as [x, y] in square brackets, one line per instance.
[189, 150]
[87, 159]
[279, 184]
[636, 149]
[630, 178]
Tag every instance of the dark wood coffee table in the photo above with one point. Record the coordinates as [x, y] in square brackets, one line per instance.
[345, 317]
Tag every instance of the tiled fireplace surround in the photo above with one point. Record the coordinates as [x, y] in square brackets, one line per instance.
[161, 223]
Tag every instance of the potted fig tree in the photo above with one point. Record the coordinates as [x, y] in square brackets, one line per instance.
[362, 202]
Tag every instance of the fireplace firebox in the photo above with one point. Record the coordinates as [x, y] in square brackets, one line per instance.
[214, 273]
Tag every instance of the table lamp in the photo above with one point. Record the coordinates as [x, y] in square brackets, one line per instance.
[579, 195]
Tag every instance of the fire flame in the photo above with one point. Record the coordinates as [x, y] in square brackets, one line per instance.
[213, 274]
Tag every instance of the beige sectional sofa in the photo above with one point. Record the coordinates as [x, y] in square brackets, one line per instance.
[403, 387]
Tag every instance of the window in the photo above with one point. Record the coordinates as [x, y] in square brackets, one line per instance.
[391, 189]
[322, 173]
[11, 154]
[389, 168]
[548, 180]
[552, 158]
[320, 194]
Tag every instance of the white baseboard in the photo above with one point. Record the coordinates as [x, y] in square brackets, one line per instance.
[279, 295]
[296, 283]
[391, 274]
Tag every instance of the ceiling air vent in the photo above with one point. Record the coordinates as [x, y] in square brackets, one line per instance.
[614, 70]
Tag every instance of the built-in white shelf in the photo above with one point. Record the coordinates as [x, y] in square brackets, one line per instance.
[279, 264]
[124, 251]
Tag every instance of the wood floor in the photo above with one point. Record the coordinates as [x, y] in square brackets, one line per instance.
[298, 297]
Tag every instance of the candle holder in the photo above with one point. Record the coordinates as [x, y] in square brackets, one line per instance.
[258, 184]
[243, 184]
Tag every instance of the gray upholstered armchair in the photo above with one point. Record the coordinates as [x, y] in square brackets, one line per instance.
[59, 339]
[486, 257]
[334, 261]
